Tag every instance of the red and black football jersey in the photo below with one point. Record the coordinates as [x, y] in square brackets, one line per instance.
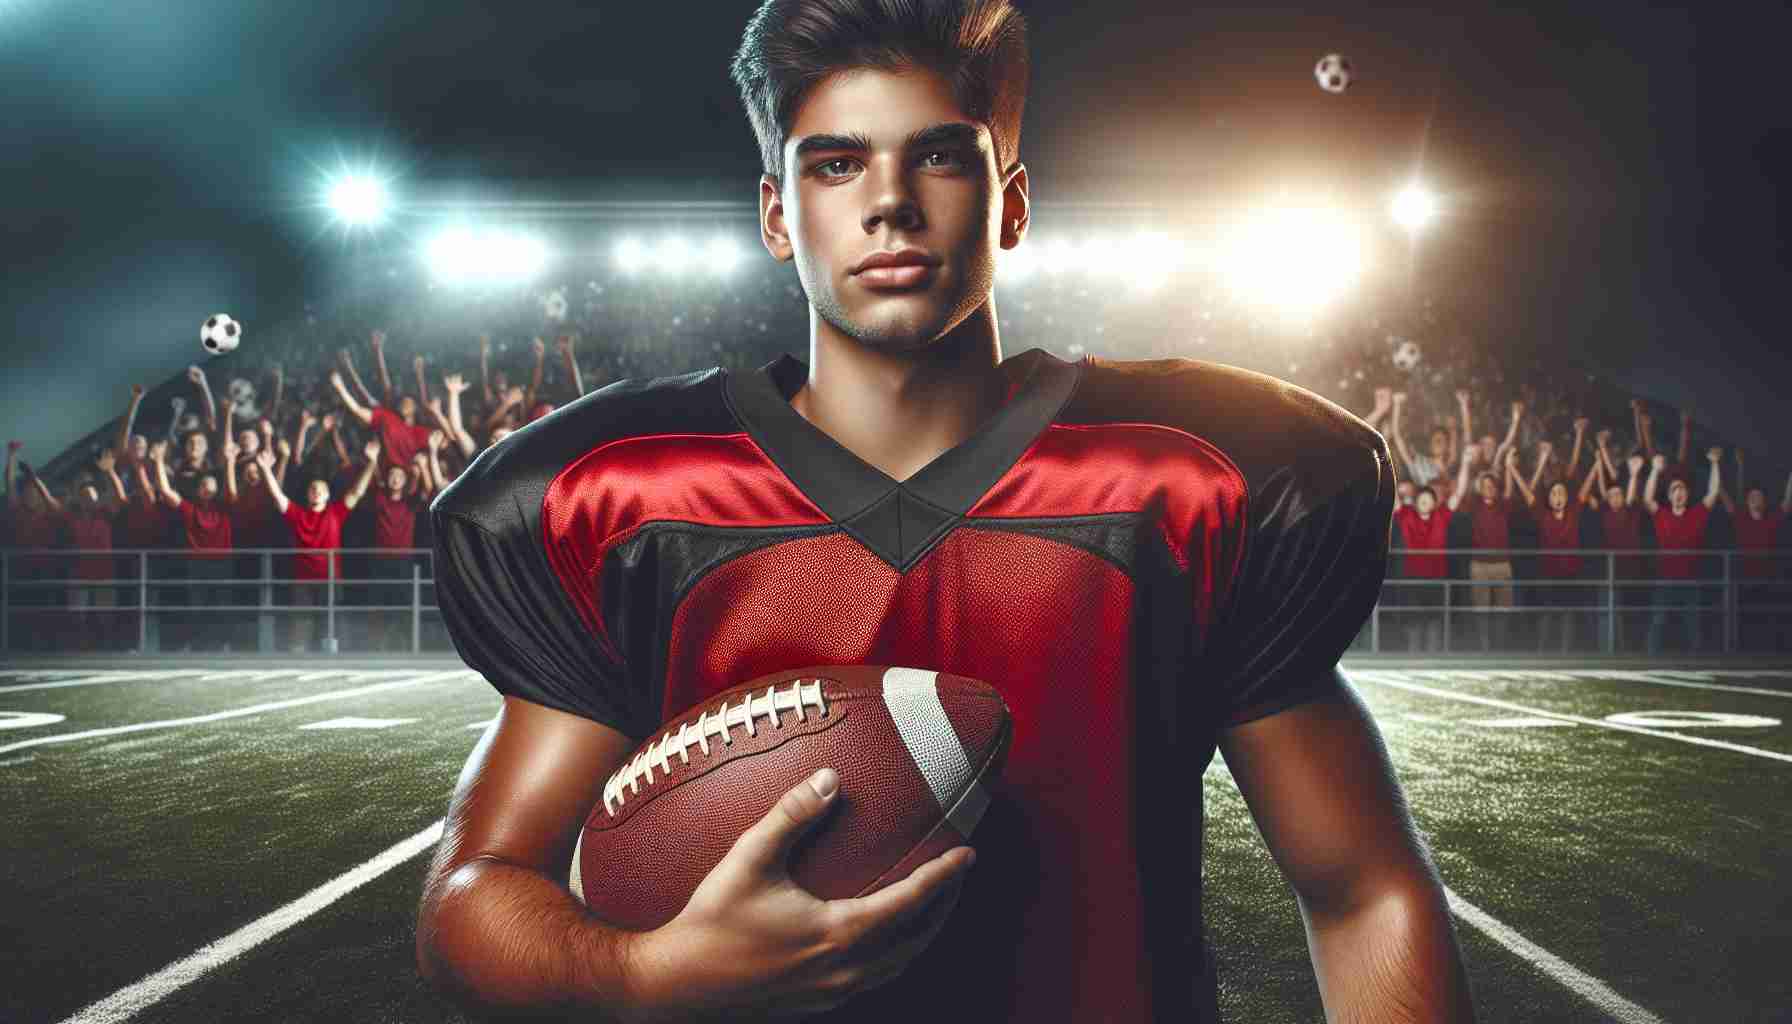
[1137, 554]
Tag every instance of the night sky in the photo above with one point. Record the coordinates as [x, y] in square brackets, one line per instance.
[1613, 174]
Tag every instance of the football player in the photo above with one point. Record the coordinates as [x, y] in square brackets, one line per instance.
[1152, 561]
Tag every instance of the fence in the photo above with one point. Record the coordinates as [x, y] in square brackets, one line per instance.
[1739, 602]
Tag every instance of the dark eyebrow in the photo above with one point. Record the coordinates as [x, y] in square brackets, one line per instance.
[950, 133]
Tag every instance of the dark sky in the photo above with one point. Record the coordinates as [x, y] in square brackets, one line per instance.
[1614, 173]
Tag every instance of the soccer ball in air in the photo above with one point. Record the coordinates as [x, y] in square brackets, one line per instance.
[1334, 72]
[1406, 355]
[220, 334]
[553, 305]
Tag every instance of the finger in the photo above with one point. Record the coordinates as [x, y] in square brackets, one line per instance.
[861, 915]
[766, 844]
[888, 955]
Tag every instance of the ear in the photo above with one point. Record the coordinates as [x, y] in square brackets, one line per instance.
[1016, 207]
[774, 234]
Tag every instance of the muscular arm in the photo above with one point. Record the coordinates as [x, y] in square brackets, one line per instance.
[1318, 781]
[497, 929]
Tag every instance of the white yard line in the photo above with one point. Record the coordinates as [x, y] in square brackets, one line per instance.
[127, 1002]
[95, 680]
[1389, 678]
[1589, 988]
[219, 716]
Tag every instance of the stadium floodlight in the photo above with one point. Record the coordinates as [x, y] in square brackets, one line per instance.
[721, 255]
[630, 255]
[358, 200]
[1151, 258]
[459, 255]
[672, 255]
[1293, 258]
[1060, 254]
[1414, 207]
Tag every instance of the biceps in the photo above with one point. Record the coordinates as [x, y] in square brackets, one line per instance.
[1318, 782]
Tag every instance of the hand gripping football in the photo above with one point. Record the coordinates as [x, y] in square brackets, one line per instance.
[914, 749]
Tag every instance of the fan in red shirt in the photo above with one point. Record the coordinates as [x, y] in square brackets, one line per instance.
[34, 525]
[1679, 528]
[1558, 529]
[396, 508]
[401, 436]
[1425, 526]
[316, 526]
[1758, 532]
[205, 522]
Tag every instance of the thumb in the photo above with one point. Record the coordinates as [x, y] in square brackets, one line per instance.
[767, 843]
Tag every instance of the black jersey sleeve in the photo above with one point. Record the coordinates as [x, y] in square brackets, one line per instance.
[511, 622]
[1313, 569]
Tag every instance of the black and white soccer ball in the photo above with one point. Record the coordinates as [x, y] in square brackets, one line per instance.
[220, 334]
[1406, 355]
[1334, 72]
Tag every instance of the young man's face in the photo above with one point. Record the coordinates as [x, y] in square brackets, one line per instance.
[1425, 502]
[196, 447]
[1677, 495]
[395, 479]
[1614, 496]
[318, 494]
[208, 487]
[839, 205]
[1757, 502]
[1406, 491]
[1558, 497]
[1485, 487]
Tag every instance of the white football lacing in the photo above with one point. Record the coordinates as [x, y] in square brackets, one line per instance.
[769, 704]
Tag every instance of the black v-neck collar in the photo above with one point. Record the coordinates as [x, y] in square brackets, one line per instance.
[899, 520]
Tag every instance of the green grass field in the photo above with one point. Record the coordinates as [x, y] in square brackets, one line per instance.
[183, 842]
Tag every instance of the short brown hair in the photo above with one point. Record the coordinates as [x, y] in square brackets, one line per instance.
[979, 46]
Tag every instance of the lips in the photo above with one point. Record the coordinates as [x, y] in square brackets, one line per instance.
[890, 258]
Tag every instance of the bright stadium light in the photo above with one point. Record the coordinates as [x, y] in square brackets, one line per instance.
[459, 255]
[630, 255]
[358, 200]
[721, 255]
[1293, 258]
[672, 256]
[1060, 255]
[1151, 258]
[1414, 207]
[1019, 263]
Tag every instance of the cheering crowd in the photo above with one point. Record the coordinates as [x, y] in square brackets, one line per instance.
[319, 461]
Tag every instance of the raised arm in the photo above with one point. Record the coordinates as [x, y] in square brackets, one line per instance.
[1645, 424]
[226, 430]
[564, 343]
[306, 421]
[1716, 457]
[158, 454]
[1462, 403]
[1786, 502]
[1657, 463]
[1506, 447]
[1636, 463]
[387, 397]
[434, 407]
[1580, 436]
[541, 356]
[417, 363]
[122, 445]
[1602, 455]
[266, 459]
[356, 409]
[1544, 451]
[197, 376]
[1461, 479]
[512, 399]
[230, 452]
[107, 463]
[1683, 449]
[335, 433]
[12, 473]
[43, 489]
[285, 448]
[1395, 434]
[433, 477]
[348, 363]
[1511, 472]
[1592, 485]
[1513, 477]
[485, 368]
[146, 491]
[1638, 418]
[372, 450]
[454, 384]
[1384, 403]
[273, 412]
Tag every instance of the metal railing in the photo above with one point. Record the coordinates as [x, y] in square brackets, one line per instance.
[43, 589]
[1415, 614]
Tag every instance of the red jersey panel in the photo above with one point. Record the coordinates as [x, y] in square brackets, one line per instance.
[1139, 555]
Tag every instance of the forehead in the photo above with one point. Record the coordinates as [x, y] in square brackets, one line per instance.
[886, 109]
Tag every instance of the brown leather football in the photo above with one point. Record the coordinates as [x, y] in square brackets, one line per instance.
[915, 751]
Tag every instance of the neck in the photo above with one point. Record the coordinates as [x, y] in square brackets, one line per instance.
[900, 408]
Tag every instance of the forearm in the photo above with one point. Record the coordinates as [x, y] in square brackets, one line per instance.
[123, 445]
[422, 385]
[1392, 958]
[341, 449]
[572, 374]
[379, 362]
[497, 938]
